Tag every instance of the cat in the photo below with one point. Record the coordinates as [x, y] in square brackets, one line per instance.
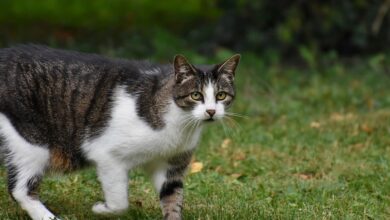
[61, 110]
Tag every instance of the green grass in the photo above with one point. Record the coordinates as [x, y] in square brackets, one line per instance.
[314, 144]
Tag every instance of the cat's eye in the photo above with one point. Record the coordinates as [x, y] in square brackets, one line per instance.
[221, 95]
[196, 96]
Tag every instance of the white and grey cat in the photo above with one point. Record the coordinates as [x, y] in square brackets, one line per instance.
[60, 110]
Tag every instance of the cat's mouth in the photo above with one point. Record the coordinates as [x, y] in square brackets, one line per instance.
[209, 120]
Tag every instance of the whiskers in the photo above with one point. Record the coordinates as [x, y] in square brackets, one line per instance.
[190, 124]
[233, 114]
[230, 125]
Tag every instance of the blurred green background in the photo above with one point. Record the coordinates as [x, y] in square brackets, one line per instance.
[278, 30]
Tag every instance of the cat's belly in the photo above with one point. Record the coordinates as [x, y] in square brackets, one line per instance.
[141, 144]
[130, 139]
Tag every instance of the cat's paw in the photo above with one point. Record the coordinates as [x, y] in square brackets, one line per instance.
[103, 209]
[100, 208]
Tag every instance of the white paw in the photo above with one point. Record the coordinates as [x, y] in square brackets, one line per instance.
[100, 208]
[103, 209]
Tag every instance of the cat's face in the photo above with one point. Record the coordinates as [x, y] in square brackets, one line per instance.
[205, 92]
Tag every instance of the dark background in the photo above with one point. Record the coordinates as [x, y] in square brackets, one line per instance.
[281, 30]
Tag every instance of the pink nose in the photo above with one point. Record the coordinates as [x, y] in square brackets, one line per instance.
[211, 112]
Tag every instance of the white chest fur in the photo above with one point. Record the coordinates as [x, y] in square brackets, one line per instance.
[130, 139]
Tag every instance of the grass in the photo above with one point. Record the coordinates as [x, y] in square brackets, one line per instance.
[313, 144]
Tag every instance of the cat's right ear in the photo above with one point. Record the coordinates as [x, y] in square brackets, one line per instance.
[183, 69]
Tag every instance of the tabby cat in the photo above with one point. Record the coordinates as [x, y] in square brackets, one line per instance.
[60, 110]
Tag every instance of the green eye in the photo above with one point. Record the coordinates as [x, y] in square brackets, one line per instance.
[221, 95]
[196, 96]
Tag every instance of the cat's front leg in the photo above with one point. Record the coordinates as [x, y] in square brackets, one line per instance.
[113, 177]
[168, 180]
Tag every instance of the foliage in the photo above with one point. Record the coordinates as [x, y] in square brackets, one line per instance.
[102, 14]
[268, 28]
[344, 26]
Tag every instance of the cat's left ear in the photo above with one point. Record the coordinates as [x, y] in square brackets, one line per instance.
[230, 65]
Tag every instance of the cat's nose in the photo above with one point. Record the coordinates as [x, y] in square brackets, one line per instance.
[211, 112]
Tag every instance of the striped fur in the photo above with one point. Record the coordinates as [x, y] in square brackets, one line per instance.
[62, 110]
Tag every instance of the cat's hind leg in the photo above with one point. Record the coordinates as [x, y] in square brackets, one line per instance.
[26, 164]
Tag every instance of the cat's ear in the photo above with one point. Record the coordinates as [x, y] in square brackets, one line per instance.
[230, 65]
[183, 69]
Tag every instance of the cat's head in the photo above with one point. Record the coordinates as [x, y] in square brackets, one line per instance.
[205, 92]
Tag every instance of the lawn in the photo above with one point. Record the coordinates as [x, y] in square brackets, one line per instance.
[310, 143]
